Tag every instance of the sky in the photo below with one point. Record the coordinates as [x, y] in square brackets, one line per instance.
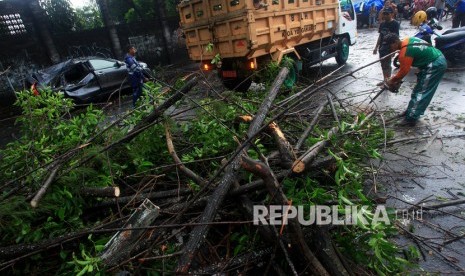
[79, 3]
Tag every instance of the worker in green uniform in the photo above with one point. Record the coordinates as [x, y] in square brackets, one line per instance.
[432, 64]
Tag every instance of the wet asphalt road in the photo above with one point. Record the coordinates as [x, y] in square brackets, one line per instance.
[425, 171]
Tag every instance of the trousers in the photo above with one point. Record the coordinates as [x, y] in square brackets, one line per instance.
[427, 83]
[136, 85]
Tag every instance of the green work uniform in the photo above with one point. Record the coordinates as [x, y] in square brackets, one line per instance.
[432, 65]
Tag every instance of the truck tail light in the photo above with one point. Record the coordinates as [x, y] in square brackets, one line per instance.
[251, 64]
[207, 67]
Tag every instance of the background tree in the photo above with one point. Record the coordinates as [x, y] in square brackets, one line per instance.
[110, 25]
[60, 15]
[37, 13]
[136, 10]
[88, 17]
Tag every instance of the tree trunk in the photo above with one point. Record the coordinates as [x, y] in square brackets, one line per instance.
[110, 25]
[199, 233]
[39, 16]
[161, 18]
[121, 244]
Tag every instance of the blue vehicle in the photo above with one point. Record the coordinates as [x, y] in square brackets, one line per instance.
[362, 9]
[451, 43]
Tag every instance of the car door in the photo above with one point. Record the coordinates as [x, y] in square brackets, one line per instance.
[110, 74]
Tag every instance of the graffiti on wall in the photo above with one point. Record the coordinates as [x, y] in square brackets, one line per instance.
[148, 46]
[14, 71]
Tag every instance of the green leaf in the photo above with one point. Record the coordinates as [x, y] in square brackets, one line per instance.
[83, 271]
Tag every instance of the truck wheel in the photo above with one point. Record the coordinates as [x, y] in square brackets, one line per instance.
[342, 49]
[238, 84]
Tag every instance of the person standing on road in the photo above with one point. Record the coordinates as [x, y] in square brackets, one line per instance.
[440, 5]
[387, 4]
[135, 74]
[388, 26]
[459, 14]
[432, 64]
[372, 15]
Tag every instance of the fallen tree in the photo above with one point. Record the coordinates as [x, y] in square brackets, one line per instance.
[205, 175]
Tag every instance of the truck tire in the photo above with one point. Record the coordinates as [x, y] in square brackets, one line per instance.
[238, 84]
[342, 49]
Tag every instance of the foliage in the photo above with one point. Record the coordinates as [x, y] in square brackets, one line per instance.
[272, 68]
[209, 137]
[50, 127]
[368, 244]
[132, 11]
[269, 73]
[86, 263]
[60, 15]
[88, 17]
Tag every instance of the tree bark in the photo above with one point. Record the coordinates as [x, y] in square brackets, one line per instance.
[165, 28]
[47, 183]
[121, 244]
[309, 129]
[302, 162]
[100, 192]
[110, 25]
[286, 151]
[39, 16]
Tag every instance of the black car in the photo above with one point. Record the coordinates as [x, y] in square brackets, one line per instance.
[85, 80]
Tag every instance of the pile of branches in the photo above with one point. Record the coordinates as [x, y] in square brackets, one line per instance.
[183, 216]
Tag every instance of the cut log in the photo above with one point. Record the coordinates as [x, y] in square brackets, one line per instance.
[302, 162]
[120, 245]
[100, 192]
[142, 196]
[287, 155]
[286, 151]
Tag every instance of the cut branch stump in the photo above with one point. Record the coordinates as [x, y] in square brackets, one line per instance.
[120, 245]
[100, 192]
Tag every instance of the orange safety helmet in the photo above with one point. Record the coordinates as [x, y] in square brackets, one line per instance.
[419, 18]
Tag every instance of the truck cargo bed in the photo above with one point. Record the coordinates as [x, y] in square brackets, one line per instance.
[242, 28]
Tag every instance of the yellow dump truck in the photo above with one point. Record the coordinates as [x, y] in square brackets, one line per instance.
[244, 35]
